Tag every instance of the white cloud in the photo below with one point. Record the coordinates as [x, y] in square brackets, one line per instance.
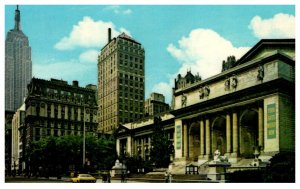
[88, 33]
[280, 26]
[89, 56]
[203, 52]
[118, 9]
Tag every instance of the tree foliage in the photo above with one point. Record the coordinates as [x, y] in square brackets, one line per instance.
[58, 155]
[281, 169]
[161, 146]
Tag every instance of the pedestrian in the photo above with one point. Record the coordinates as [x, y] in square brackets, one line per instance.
[122, 177]
[104, 178]
[108, 178]
[166, 177]
[170, 177]
[14, 173]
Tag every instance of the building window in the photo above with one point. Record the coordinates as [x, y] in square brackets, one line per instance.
[49, 110]
[69, 113]
[62, 112]
[76, 114]
[37, 131]
[55, 133]
[55, 111]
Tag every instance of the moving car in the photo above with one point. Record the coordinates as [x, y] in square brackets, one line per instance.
[84, 178]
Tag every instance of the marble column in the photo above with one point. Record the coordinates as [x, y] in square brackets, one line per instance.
[129, 145]
[118, 146]
[207, 137]
[235, 132]
[260, 126]
[185, 141]
[228, 133]
[201, 137]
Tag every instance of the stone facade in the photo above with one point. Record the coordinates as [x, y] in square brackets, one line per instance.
[55, 108]
[17, 154]
[248, 105]
[189, 79]
[8, 140]
[134, 139]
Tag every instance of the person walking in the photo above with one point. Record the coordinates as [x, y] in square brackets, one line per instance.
[122, 177]
[108, 178]
[166, 177]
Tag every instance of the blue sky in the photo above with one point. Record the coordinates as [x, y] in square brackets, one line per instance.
[66, 39]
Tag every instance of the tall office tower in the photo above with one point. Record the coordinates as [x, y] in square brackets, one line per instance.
[120, 82]
[18, 65]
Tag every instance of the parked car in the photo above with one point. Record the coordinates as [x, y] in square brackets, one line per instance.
[84, 178]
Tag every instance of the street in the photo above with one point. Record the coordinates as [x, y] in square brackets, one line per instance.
[19, 179]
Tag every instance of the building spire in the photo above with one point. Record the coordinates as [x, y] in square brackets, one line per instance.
[17, 19]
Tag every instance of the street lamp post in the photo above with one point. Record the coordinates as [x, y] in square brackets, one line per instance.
[83, 158]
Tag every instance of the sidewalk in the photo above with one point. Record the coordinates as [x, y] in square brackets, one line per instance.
[142, 179]
[17, 179]
[175, 179]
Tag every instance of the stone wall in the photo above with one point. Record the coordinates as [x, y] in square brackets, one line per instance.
[287, 123]
[246, 79]
[271, 126]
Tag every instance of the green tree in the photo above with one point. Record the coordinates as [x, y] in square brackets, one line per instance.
[100, 152]
[69, 152]
[161, 146]
[55, 155]
[281, 169]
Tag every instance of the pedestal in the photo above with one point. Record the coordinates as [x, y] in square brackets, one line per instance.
[170, 168]
[217, 170]
[207, 157]
[116, 169]
[233, 158]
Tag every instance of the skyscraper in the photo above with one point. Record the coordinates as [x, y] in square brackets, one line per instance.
[18, 65]
[120, 82]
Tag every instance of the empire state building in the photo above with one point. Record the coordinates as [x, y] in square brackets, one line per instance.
[18, 65]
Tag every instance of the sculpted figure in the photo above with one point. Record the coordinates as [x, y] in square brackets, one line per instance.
[260, 74]
[217, 155]
[201, 93]
[206, 90]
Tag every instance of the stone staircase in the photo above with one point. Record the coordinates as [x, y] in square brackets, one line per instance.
[242, 163]
[179, 167]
